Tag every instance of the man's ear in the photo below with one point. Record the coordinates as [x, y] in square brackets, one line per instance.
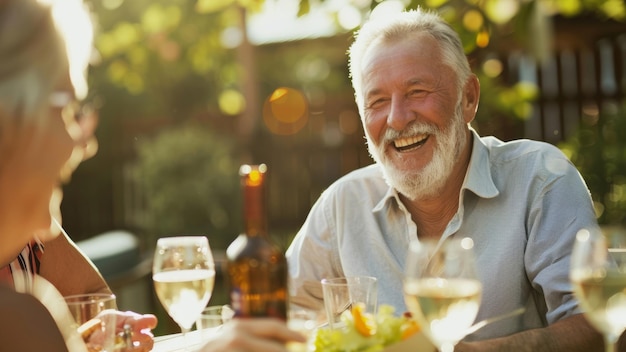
[471, 96]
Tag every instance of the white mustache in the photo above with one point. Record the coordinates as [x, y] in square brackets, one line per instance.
[413, 129]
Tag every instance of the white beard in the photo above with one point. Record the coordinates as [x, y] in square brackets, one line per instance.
[429, 181]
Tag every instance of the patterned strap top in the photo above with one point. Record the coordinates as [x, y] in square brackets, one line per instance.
[26, 265]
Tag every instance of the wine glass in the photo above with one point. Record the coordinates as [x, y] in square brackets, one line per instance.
[183, 272]
[441, 289]
[598, 276]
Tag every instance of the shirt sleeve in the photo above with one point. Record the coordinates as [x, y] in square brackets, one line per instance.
[561, 207]
[313, 254]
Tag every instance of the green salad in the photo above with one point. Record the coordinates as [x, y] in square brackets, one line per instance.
[364, 333]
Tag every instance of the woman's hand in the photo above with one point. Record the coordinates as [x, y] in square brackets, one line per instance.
[141, 329]
[140, 333]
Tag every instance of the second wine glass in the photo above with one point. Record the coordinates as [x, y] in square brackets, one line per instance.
[598, 275]
[441, 289]
[183, 272]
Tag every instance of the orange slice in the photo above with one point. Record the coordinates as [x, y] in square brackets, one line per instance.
[409, 328]
[363, 323]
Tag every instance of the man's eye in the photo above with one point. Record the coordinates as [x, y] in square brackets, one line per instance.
[419, 92]
[374, 103]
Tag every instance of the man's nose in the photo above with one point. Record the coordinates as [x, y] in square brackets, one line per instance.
[400, 115]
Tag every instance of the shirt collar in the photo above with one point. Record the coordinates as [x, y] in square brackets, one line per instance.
[478, 178]
[389, 195]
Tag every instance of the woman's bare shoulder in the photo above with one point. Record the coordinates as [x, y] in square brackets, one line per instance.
[26, 324]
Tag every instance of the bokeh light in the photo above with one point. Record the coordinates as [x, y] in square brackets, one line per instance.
[482, 39]
[232, 102]
[231, 37]
[435, 3]
[169, 50]
[211, 6]
[112, 4]
[591, 114]
[386, 8]
[312, 69]
[285, 111]
[614, 9]
[501, 11]
[473, 20]
[492, 67]
[158, 18]
[349, 17]
[569, 8]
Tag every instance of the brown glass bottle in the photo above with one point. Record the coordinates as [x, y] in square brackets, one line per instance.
[256, 269]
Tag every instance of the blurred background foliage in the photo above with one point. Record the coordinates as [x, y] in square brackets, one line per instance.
[188, 176]
[160, 57]
[598, 149]
[185, 97]
[180, 55]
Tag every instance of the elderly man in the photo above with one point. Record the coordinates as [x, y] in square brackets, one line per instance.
[521, 202]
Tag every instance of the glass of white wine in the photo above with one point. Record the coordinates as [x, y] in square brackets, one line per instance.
[441, 289]
[183, 272]
[598, 276]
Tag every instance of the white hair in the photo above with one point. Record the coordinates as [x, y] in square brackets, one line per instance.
[386, 29]
[41, 41]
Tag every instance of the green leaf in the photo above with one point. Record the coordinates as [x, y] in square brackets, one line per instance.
[304, 7]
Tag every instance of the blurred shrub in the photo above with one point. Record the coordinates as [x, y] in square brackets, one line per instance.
[598, 150]
[188, 179]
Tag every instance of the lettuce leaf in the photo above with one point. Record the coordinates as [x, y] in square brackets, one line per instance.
[389, 330]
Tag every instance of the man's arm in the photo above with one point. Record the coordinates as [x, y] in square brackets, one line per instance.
[570, 334]
[69, 270]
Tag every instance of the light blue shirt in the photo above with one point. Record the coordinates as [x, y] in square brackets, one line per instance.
[522, 203]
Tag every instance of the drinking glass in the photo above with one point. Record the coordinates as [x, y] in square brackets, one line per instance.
[305, 321]
[441, 289]
[183, 272]
[211, 318]
[598, 276]
[342, 293]
[85, 307]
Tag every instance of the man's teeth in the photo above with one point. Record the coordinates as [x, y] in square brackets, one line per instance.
[404, 142]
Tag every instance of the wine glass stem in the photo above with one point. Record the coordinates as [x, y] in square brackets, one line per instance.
[446, 347]
[186, 341]
[609, 343]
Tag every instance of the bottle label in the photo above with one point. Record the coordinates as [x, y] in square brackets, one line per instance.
[268, 304]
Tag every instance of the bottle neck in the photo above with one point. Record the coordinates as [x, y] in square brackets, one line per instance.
[254, 211]
[254, 203]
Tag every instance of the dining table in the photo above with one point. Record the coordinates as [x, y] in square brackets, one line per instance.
[175, 343]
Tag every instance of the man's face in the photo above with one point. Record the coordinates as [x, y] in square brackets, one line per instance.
[412, 114]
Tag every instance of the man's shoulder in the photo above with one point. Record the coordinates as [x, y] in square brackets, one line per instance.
[372, 171]
[520, 149]
[370, 174]
[526, 159]
[367, 179]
